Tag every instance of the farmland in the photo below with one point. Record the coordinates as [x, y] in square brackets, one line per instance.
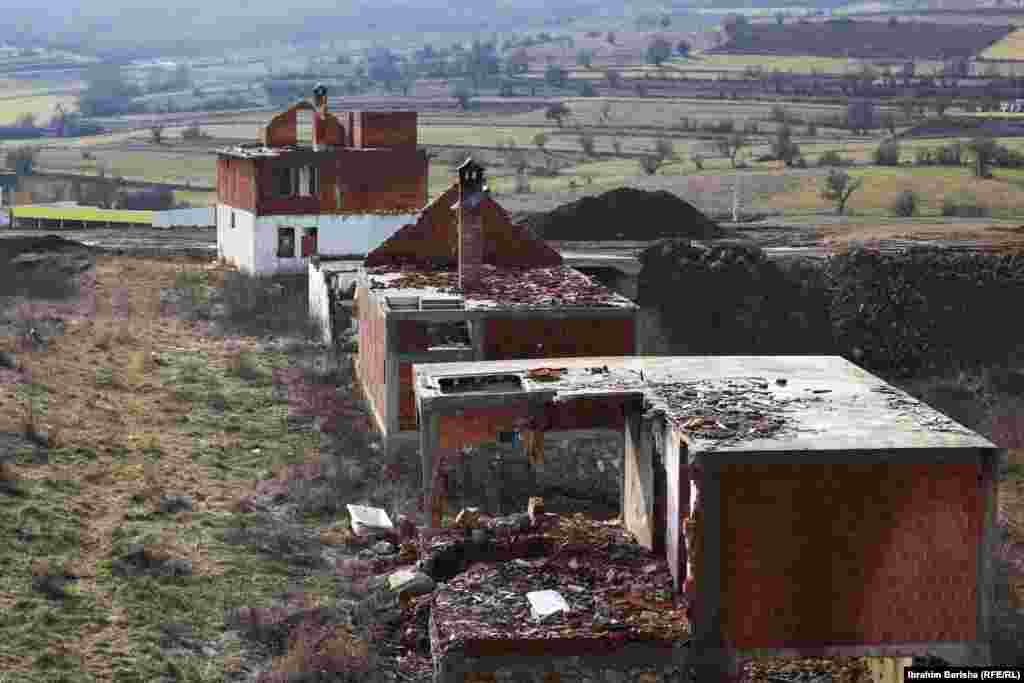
[881, 186]
[869, 40]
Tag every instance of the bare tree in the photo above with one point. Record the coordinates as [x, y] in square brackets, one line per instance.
[838, 188]
[557, 112]
[730, 146]
[983, 148]
[586, 141]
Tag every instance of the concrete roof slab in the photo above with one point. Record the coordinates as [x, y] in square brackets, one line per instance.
[738, 404]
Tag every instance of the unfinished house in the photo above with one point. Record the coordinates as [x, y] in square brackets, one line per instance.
[463, 283]
[279, 202]
[801, 506]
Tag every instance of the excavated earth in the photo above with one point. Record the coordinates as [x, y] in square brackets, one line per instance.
[640, 214]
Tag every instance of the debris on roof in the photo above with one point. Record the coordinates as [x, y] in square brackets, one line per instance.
[509, 287]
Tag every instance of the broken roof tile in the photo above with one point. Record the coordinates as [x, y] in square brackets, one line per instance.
[508, 287]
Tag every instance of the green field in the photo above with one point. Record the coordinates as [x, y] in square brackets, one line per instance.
[86, 213]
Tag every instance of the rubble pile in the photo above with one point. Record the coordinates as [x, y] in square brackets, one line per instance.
[729, 410]
[622, 214]
[896, 314]
[614, 588]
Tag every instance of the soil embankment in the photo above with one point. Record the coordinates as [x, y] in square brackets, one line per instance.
[896, 314]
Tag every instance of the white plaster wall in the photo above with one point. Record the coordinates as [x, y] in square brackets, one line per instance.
[336, 236]
[319, 302]
[235, 245]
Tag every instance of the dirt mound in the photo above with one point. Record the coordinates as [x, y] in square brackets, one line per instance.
[12, 247]
[624, 213]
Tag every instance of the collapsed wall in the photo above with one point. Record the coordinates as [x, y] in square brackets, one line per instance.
[896, 314]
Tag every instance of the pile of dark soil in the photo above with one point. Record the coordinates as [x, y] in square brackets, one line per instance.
[899, 315]
[41, 267]
[622, 214]
[12, 247]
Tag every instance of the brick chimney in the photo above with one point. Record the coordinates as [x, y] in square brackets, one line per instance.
[319, 115]
[472, 192]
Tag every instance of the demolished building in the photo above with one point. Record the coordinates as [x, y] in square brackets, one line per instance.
[804, 508]
[281, 203]
[463, 283]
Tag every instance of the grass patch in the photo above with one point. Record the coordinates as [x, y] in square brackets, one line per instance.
[237, 427]
[479, 136]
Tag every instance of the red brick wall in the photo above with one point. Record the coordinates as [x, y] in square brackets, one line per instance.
[377, 180]
[412, 336]
[508, 339]
[371, 361]
[819, 554]
[384, 129]
[588, 413]
[406, 398]
[386, 179]
[236, 183]
[479, 425]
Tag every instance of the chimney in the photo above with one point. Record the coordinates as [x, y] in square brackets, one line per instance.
[472, 192]
[319, 115]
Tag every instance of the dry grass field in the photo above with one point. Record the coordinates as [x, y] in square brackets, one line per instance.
[799, 64]
[41, 106]
[882, 185]
[1010, 47]
[135, 403]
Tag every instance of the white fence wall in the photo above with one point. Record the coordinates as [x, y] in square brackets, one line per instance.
[203, 217]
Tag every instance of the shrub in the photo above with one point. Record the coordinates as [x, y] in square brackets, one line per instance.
[963, 207]
[258, 305]
[586, 141]
[905, 204]
[888, 153]
[22, 160]
[949, 155]
[831, 158]
[650, 164]
[664, 148]
[923, 157]
[725, 126]
[194, 132]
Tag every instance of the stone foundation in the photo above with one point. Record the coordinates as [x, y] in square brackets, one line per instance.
[499, 479]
